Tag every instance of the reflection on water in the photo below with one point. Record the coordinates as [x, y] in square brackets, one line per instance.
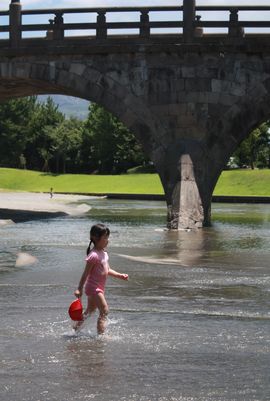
[191, 324]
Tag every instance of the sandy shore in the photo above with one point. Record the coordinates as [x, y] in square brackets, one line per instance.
[21, 206]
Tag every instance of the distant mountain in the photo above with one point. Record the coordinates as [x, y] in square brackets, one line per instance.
[70, 106]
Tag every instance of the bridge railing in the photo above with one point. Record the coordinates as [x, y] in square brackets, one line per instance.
[235, 25]
[144, 22]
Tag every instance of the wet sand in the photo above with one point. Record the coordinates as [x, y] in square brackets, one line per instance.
[23, 206]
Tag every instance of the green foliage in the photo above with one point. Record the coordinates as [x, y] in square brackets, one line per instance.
[66, 139]
[113, 149]
[45, 118]
[15, 120]
[38, 136]
[254, 151]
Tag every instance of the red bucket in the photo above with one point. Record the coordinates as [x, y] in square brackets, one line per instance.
[75, 310]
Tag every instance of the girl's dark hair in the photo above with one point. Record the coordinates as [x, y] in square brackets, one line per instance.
[96, 232]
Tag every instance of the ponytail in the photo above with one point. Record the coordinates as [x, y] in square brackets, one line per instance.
[89, 248]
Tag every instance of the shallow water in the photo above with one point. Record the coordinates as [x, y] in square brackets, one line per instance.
[192, 323]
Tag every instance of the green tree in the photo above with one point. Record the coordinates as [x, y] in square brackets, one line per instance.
[254, 151]
[100, 138]
[128, 152]
[15, 120]
[263, 155]
[108, 145]
[40, 133]
[66, 144]
[45, 118]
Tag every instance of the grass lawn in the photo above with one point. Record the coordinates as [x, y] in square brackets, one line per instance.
[233, 182]
[24, 180]
[244, 183]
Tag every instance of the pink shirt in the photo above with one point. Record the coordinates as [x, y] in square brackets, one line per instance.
[96, 279]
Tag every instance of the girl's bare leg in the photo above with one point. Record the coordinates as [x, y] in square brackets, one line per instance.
[102, 305]
[91, 307]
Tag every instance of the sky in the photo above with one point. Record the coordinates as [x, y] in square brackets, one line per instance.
[103, 3]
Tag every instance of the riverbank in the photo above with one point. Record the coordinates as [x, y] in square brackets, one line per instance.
[240, 186]
[23, 206]
[18, 207]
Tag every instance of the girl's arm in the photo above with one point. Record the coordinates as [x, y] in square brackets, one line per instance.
[87, 270]
[115, 274]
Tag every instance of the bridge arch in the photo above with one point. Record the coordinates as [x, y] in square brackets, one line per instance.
[79, 79]
[190, 110]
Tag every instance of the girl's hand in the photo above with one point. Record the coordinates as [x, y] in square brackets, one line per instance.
[78, 293]
[124, 276]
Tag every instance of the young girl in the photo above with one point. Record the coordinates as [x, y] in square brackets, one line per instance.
[95, 274]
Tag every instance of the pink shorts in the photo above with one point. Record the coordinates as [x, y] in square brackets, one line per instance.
[93, 291]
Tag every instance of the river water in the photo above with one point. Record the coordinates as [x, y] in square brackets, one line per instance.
[192, 323]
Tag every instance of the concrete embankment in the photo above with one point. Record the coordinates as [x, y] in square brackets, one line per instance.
[241, 199]
[221, 199]
[160, 197]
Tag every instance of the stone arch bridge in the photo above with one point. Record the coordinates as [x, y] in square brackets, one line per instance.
[189, 97]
